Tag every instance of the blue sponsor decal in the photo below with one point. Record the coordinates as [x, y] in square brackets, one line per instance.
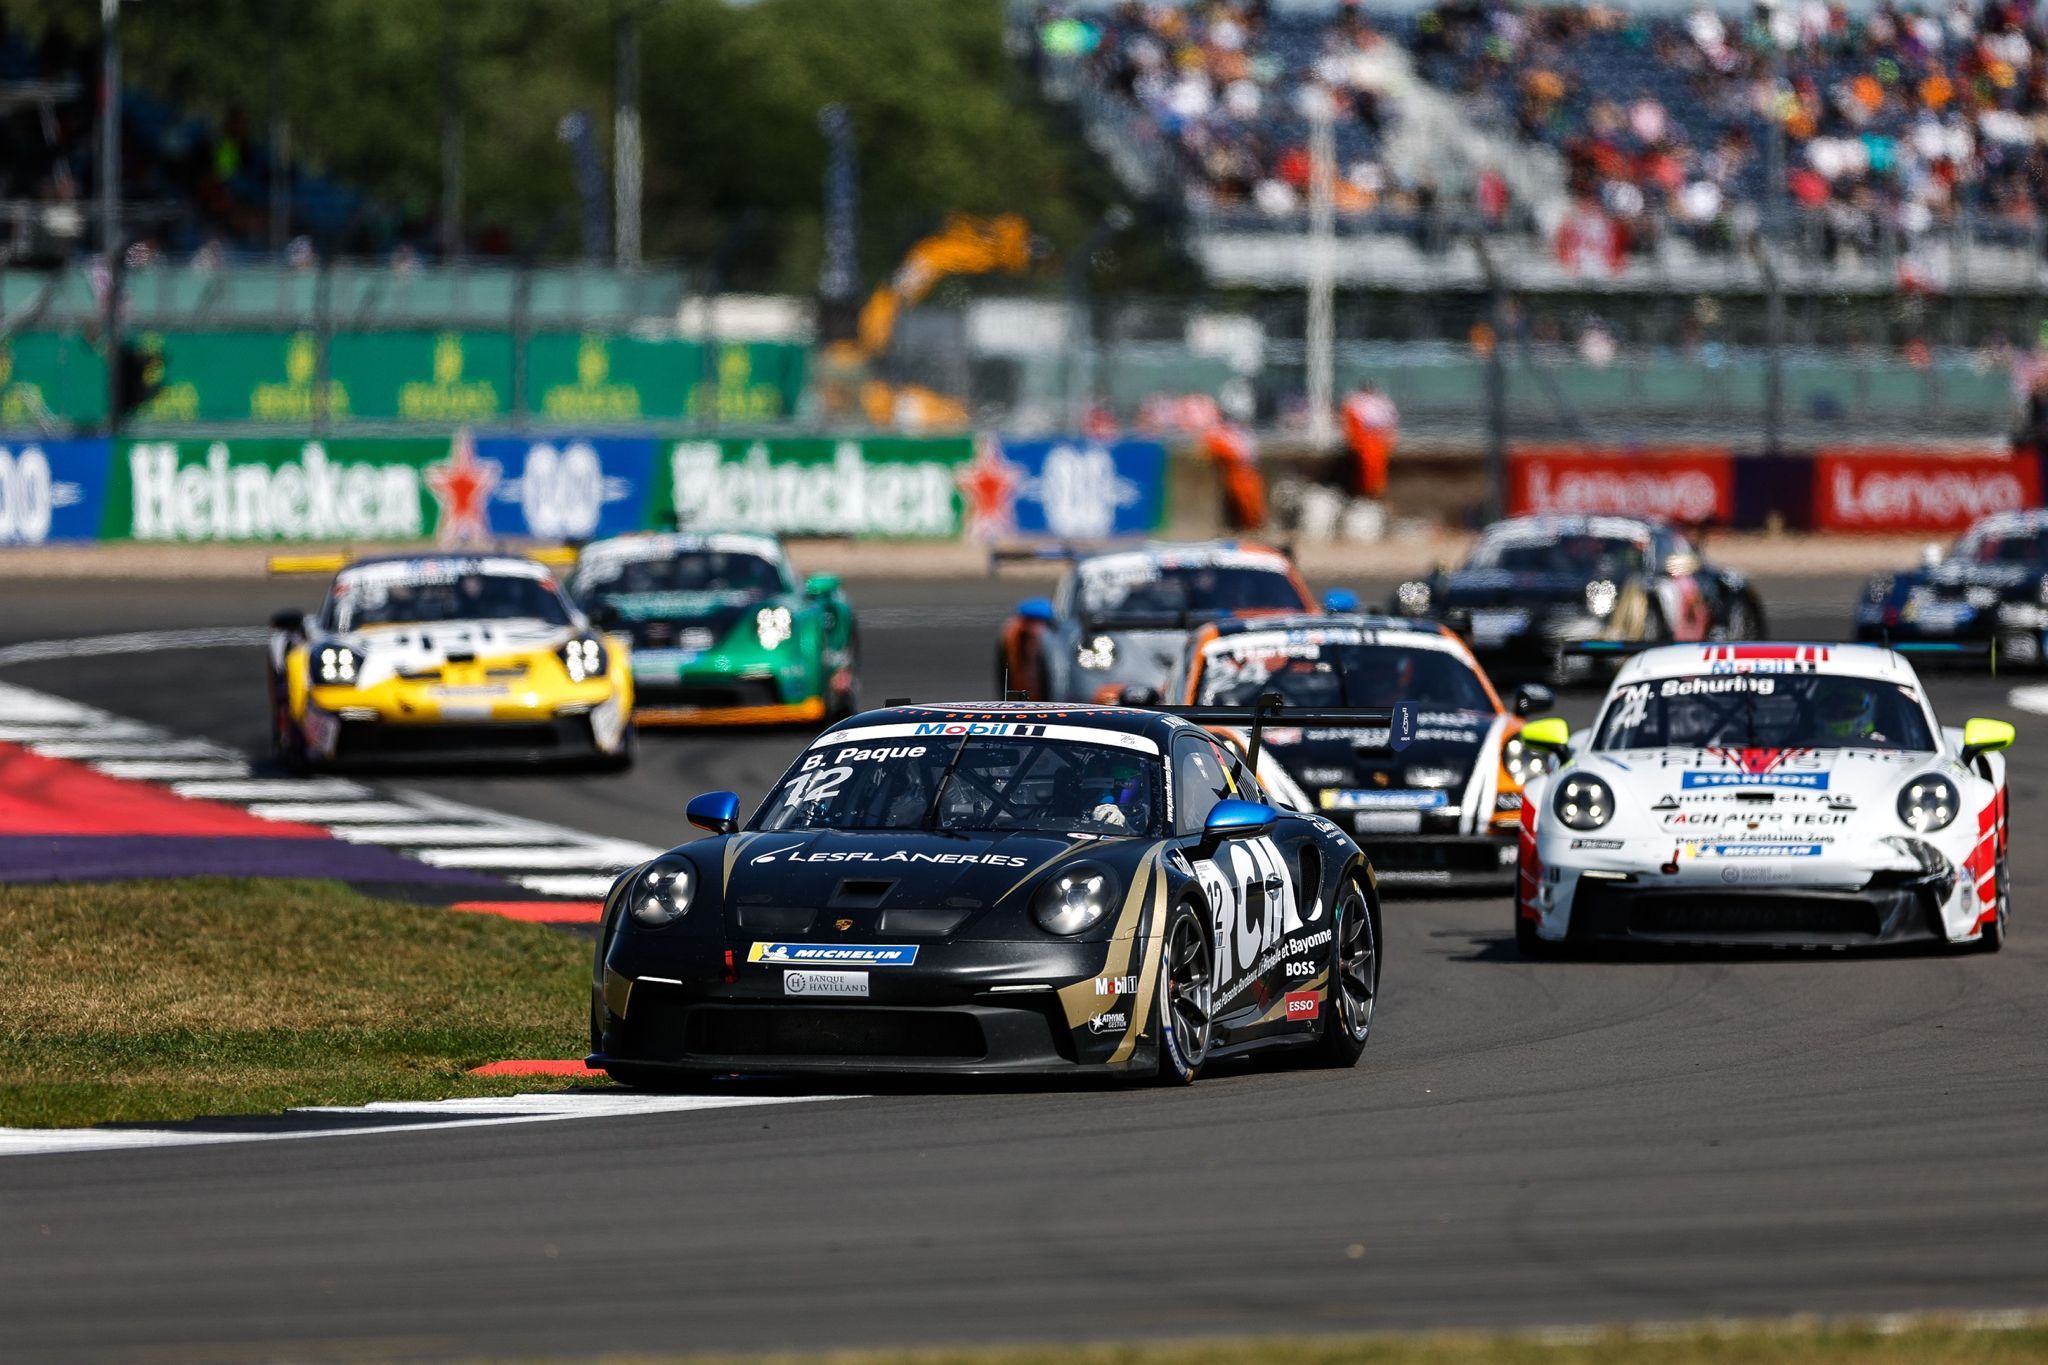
[1385, 800]
[568, 487]
[1077, 489]
[1407, 718]
[1808, 781]
[52, 490]
[833, 954]
[1760, 850]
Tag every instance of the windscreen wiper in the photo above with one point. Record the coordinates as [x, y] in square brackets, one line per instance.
[931, 813]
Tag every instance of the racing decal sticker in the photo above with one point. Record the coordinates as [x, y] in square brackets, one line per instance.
[1110, 1023]
[995, 729]
[1751, 850]
[1802, 654]
[832, 983]
[1116, 985]
[1809, 781]
[833, 954]
[1351, 799]
[1303, 1004]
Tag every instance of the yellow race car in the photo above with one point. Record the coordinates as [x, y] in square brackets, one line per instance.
[441, 658]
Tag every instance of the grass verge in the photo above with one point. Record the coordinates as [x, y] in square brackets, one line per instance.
[172, 999]
[1928, 1340]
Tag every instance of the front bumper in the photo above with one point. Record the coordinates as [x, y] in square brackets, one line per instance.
[1777, 917]
[976, 1009]
[1446, 862]
[668, 694]
[357, 735]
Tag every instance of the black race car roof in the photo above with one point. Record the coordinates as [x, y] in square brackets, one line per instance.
[1129, 720]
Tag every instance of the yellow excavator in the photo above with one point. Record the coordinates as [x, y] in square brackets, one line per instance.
[966, 245]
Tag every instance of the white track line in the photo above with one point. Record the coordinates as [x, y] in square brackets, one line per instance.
[446, 836]
[332, 813]
[537, 859]
[136, 642]
[576, 886]
[173, 769]
[144, 746]
[271, 788]
[425, 1118]
[2032, 698]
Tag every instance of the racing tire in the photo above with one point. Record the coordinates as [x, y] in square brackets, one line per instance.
[1187, 966]
[1745, 621]
[1354, 983]
[288, 743]
[1532, 946]
[628, 754]
[1993, 937]
[649, 1078]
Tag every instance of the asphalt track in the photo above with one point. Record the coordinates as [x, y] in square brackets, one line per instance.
[1524, 1144]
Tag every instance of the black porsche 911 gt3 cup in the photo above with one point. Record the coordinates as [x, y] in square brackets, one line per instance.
[992, 888]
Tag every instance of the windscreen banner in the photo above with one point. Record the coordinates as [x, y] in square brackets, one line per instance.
[1687, 485]
[1918, 491]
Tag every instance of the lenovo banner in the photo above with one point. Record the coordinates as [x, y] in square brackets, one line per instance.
[1917, 491]
[1687, 485]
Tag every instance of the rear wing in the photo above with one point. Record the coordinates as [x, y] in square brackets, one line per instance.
[298, 564]
[332, 562]
[1399, 722]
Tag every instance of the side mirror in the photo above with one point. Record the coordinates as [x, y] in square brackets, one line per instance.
[1234, 819]
[1549, 733]
[718, 812]
[1037, 609]
[1340, 600]
[1138, 694]
[821, 585]
[289, 621]
[1982, 735]
[1532, 699]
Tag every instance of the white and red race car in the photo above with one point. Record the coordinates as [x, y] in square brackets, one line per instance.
[1783, 795]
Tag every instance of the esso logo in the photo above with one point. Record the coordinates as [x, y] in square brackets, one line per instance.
[562, 491]
[25, 496]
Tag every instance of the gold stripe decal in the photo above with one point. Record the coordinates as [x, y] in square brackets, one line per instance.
[618, 993]
[1148, 979]
[1080, 999]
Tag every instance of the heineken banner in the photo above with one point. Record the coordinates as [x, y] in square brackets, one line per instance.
[436, 378]
[471, 489]
[818, 486]
[51, 490]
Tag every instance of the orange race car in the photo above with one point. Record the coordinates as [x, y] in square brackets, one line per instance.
[1442, 809]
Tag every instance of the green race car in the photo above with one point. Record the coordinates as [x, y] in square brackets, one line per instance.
[722, 634]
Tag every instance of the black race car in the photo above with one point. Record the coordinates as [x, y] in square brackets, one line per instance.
[1991, 586]
[1438, 813]
[992, 888]
[1534, 587]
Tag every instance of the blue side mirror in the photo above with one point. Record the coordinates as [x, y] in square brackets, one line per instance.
[1036, 609]
[1234, 819]
[718, 812]
[1340, 600]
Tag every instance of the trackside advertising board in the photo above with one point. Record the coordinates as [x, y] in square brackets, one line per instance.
[1918, 491]
[1068, 488]
[51, 491]
[1685, 485]
[894, 487]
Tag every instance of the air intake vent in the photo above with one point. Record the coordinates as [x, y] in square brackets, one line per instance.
[861, 893]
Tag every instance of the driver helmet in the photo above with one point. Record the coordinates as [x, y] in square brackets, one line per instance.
[1845, 709]
[1112, 790]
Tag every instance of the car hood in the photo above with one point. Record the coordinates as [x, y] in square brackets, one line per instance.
[390, 651]
[1499, 588]
[1747, 795]
[1446, 748]
[802, 885]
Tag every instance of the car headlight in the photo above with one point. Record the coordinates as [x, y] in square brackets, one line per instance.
[583, 658]
[337, 664]
[1413, 597]
[1583, 802]
[1600, 596]
[1928, 803]
[662, 894]
[1098, 653]
[1525, 762]
[772, 625]
[1074, 899]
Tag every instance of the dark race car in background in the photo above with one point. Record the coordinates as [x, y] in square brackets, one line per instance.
[992, 888]
[1992, 586]
[1533, 587]
[1121, 618]
[722, 634]
[1443, 811]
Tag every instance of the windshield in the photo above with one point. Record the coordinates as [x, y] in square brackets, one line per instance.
[740, 576]
[1580, 556]
[424, 600]
[2022, 546]
[997, 783]
[1765, 711]
[1344, 675]
[1144, 587]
